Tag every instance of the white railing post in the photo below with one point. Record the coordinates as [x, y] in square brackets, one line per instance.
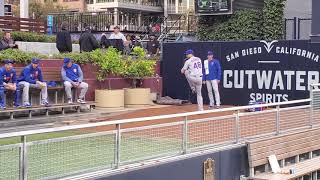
[185, 136]
[117, 155]
[311, 107]
[278, 120]
[237, 133]
[23, 158]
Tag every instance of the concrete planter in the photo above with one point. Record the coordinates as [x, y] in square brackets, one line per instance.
[43, 47]
[137, 97]
[109, 98]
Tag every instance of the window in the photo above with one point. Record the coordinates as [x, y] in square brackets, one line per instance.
[69, 0]
[259, 169]
[290, 160]
[316, 153]
[303, 157]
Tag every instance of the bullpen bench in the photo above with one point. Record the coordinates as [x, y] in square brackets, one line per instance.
[300, 150]
[62, 107]
[49, 74]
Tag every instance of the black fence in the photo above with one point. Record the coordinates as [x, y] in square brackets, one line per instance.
[297, 28]
[103, 21]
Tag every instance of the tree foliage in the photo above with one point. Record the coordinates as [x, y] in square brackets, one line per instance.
[245, 24]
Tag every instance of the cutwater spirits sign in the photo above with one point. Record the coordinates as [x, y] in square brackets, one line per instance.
[272, 71]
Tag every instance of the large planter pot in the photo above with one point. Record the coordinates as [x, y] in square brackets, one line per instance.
[137, 97]
[109, 98]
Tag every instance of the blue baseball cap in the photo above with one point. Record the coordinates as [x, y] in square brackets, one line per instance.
[66, 60]
[8, 61]
[189, 51]
[35, 61]
[210, 53]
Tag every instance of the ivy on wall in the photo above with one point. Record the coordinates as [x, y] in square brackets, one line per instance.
[273, 19]
[245, 24]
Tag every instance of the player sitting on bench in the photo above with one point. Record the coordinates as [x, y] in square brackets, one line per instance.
[31, 76]
[73, 77]
[8, 82]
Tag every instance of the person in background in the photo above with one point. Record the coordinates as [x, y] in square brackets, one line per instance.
[7, 42]
[211, 77]
[127, 45]
[63, 39]
[153, 46]
[136, 41]
[87, 41]
[8, 82]
[31, 77]
[73, 78]
[117, 34]
[104, 41]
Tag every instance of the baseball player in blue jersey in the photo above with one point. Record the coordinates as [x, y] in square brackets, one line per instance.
[192, 69]
[212, 77]
[8, 82]
[31, 77]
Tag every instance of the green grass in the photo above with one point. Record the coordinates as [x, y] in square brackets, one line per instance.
[66, 157]
[38, 137]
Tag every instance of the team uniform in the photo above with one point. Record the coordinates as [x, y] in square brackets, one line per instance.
[72, 75]
[5, 78]
[211, 75]
[28, 79]
[193, 71]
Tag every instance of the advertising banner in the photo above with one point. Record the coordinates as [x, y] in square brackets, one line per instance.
[271, 71]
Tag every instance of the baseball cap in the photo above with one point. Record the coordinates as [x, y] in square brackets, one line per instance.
[8, 61]
[189, 51]
[116, 27]
[210, 53]
[35, 61]
[66, 60]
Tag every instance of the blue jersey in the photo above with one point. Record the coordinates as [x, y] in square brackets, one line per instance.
[31, 75]
[7, 76]
[72, 74]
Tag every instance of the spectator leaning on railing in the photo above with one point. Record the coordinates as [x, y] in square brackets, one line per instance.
[117, 34]
[153, 46]
[7, 42]
[87, 41]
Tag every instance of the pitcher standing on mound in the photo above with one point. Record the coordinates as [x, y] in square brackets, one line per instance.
[192, 69]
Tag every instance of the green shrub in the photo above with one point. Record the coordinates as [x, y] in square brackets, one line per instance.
[242, 25]
[20, 56]
[245, 24]
[273, 19]
[109, 61]
[31, 37]
[140, 68]
[80, 58]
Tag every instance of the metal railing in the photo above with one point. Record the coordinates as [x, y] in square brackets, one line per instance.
[112, 144]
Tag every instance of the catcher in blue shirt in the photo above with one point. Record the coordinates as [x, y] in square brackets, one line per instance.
[31, 77]
[8, 82]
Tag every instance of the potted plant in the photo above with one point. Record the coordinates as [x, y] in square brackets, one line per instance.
[109, 63]
[137, 69]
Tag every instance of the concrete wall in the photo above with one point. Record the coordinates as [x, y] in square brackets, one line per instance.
[299, 9]
[230, 164]
[43, 48]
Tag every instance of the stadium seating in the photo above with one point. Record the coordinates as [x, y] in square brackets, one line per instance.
[297, 151]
